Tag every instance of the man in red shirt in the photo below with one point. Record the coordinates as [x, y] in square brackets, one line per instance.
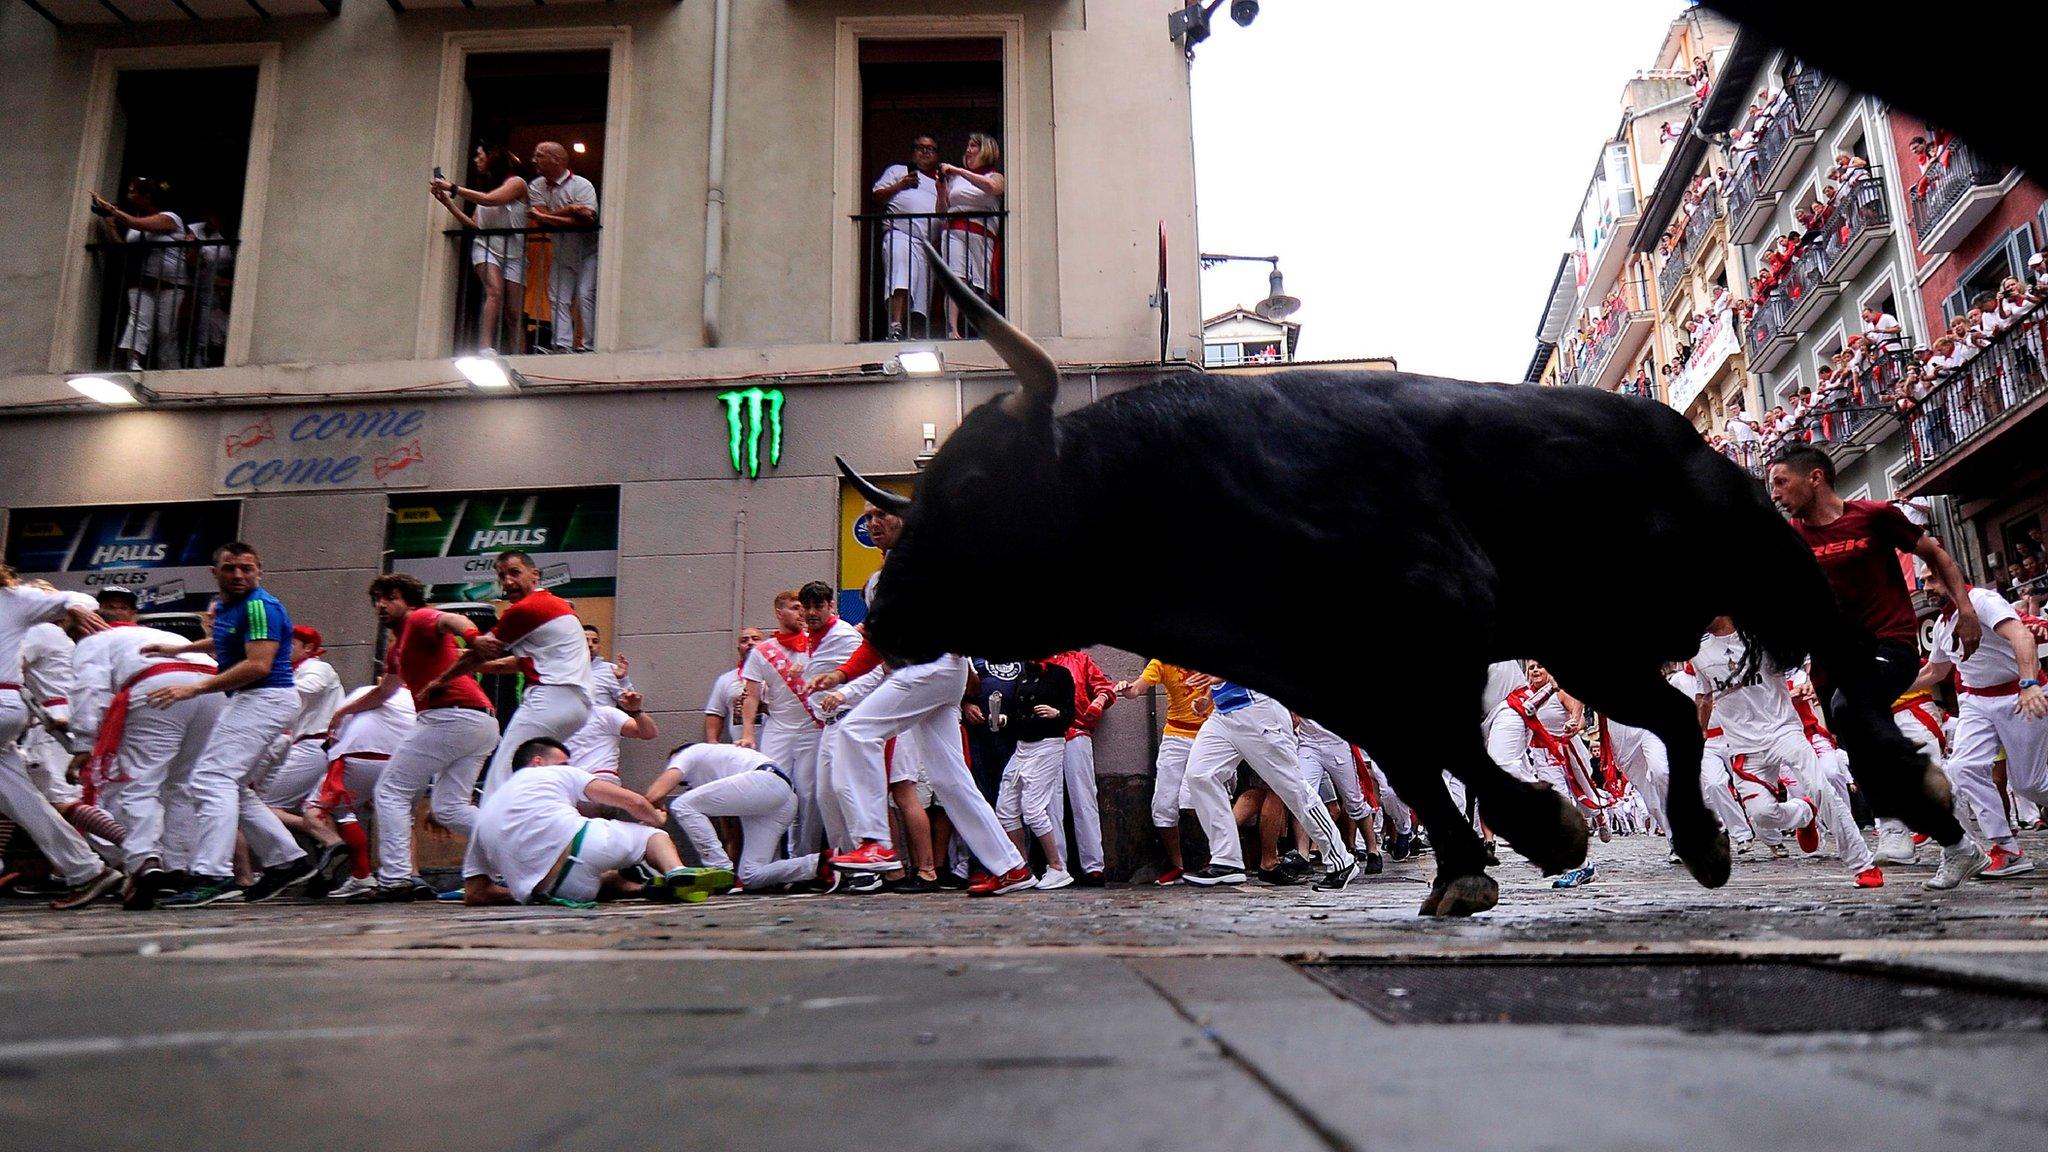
[455, 734]
[1855, 542]
[1094, 692]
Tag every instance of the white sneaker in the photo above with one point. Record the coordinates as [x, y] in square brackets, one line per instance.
[1957, 865]
[1895, 846]
[1054, 878]
[352, 886]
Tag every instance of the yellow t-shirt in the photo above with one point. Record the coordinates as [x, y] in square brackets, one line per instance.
[1185, 709]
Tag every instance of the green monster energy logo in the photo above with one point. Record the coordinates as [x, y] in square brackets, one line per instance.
[743, 426]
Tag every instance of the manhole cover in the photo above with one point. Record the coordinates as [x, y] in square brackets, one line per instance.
[1698, 995]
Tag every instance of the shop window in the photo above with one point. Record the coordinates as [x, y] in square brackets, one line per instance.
[922, 103]
[163, 279]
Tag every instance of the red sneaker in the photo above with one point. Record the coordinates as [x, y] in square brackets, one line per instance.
[1011, 881]
[1808, 834]
[1871, 877]
[1170, 876]
[1919, 838]
[871, 856]
[2004, 863]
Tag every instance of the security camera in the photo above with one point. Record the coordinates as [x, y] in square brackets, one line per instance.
[1244, 12]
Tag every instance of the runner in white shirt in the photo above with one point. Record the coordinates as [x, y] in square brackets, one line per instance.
[707, 780]
[595, 746]
[722, 707]
[1999, 706]
[532, 831]
[1753, 711]
[301, 755]
[774, 675]
[608, 679]
[364, 742]
[22, 607]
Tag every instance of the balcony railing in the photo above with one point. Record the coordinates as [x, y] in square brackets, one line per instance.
[1765, 324]
[1977, 396]
[543, 278]
[1607, 338]
[1805, 86]
[899, 299]
[1860, 214]
[162, 303]
[1805, 284]
[1698, 227]
[1669, 275]
[1955, 173]
[1746, 203]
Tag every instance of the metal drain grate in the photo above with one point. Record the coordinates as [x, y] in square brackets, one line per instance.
[1696, 995]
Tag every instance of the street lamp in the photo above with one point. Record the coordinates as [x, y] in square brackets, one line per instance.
[1277, 305]
[113, 389]
[489, 374]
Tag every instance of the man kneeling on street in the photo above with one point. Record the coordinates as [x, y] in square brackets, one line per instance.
[543, 831]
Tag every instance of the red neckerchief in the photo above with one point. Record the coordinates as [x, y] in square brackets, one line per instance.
[811, 638]
[797, 641]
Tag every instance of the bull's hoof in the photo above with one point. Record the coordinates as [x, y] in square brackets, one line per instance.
[1543, 825]
[1705, 855]
[1462, 896]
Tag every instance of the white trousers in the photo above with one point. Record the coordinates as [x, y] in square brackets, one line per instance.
[1984, 725]
[1078, 785]
[295, 777]
[1169, 780]
[152, 321]
[1397, 809]
[1031, 785]
[1746, 807]
[1830, 794]
[920, 706]
[765, 804]
[1262, 735]
[47, 759]
[448, 747]
[552, 710]
[20, 799]
[1331, 760]
[796, 752]
[251, 719]
[1507, 742]
[572, 292]
[146, 787]
[1637, 754]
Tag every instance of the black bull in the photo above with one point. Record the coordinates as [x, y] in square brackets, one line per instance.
[1361, 546]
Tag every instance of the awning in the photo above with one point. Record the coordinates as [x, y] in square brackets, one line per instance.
[425, 5]
[70, 12]
[1729, 99]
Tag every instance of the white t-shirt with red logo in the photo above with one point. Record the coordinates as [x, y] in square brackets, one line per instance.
[541, 628]
[1752, 709]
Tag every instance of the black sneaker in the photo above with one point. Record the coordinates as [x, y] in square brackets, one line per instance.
[329, 867]
[1090, 879]
[951, 881]
[911, 885]
[145, 885]
[402, 894]
[1373, 864]
[1296, 863]
[1402, 847]
[1336, 878]
[1420, 843]
[204, 890]
[1280, 877]
[39, 888]
[277, 879]
[421, 890]
[1492, 855]
[860, 882]
[1215, 874]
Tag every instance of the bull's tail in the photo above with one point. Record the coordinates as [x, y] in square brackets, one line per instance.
[1792, 613]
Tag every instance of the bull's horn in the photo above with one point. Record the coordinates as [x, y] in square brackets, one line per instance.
[877, 495]
[1038, 378]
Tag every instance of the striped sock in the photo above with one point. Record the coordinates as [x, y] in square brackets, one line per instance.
[95, 821]
[358, 843]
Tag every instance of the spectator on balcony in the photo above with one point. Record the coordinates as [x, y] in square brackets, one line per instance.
[154, 273]
[213, 282]
[2013, 301]
[1742, 432]
[559, 198]
[913, 190]
[2037, 266]
[499, 258]
[1882, 329]
[973, 242]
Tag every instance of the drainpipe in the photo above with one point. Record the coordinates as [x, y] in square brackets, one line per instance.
[714, 178]
[739, 570]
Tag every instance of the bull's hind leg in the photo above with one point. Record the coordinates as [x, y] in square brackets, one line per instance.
[1414, 767]
[1643, 699]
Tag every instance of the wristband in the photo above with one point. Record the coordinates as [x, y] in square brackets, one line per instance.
[2030, 682]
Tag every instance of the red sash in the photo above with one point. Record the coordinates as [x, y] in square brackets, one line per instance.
[1366, 782]
[108, 742]
[1739, 764]
[793, 680]
[1558, 748]
[1918, 708]
[334, 787]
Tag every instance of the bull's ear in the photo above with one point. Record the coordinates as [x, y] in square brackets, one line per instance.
[877, 495]
[1038, 378]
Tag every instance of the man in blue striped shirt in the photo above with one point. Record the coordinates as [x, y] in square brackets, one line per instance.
[252, 643]
[1259, 730]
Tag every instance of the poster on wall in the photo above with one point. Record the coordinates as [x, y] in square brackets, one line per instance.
[323, 449]
[859, 559]
[161, 552]
[450, 541]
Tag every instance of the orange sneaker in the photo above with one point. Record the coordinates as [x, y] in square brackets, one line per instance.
[871, 856]
[1011, 881]
[1871, 877]
[1808, 834]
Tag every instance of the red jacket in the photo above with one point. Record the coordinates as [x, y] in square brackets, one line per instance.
[1090, 682]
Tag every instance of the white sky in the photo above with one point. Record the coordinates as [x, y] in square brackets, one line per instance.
[1416, 167]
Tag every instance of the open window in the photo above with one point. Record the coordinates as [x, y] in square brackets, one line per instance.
[526, 283]
[162, 275]
[923, 103]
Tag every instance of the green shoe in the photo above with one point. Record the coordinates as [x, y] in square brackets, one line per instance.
[692, 885]
[565, 902]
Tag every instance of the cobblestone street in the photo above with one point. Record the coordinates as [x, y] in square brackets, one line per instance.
[1123, 1017]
